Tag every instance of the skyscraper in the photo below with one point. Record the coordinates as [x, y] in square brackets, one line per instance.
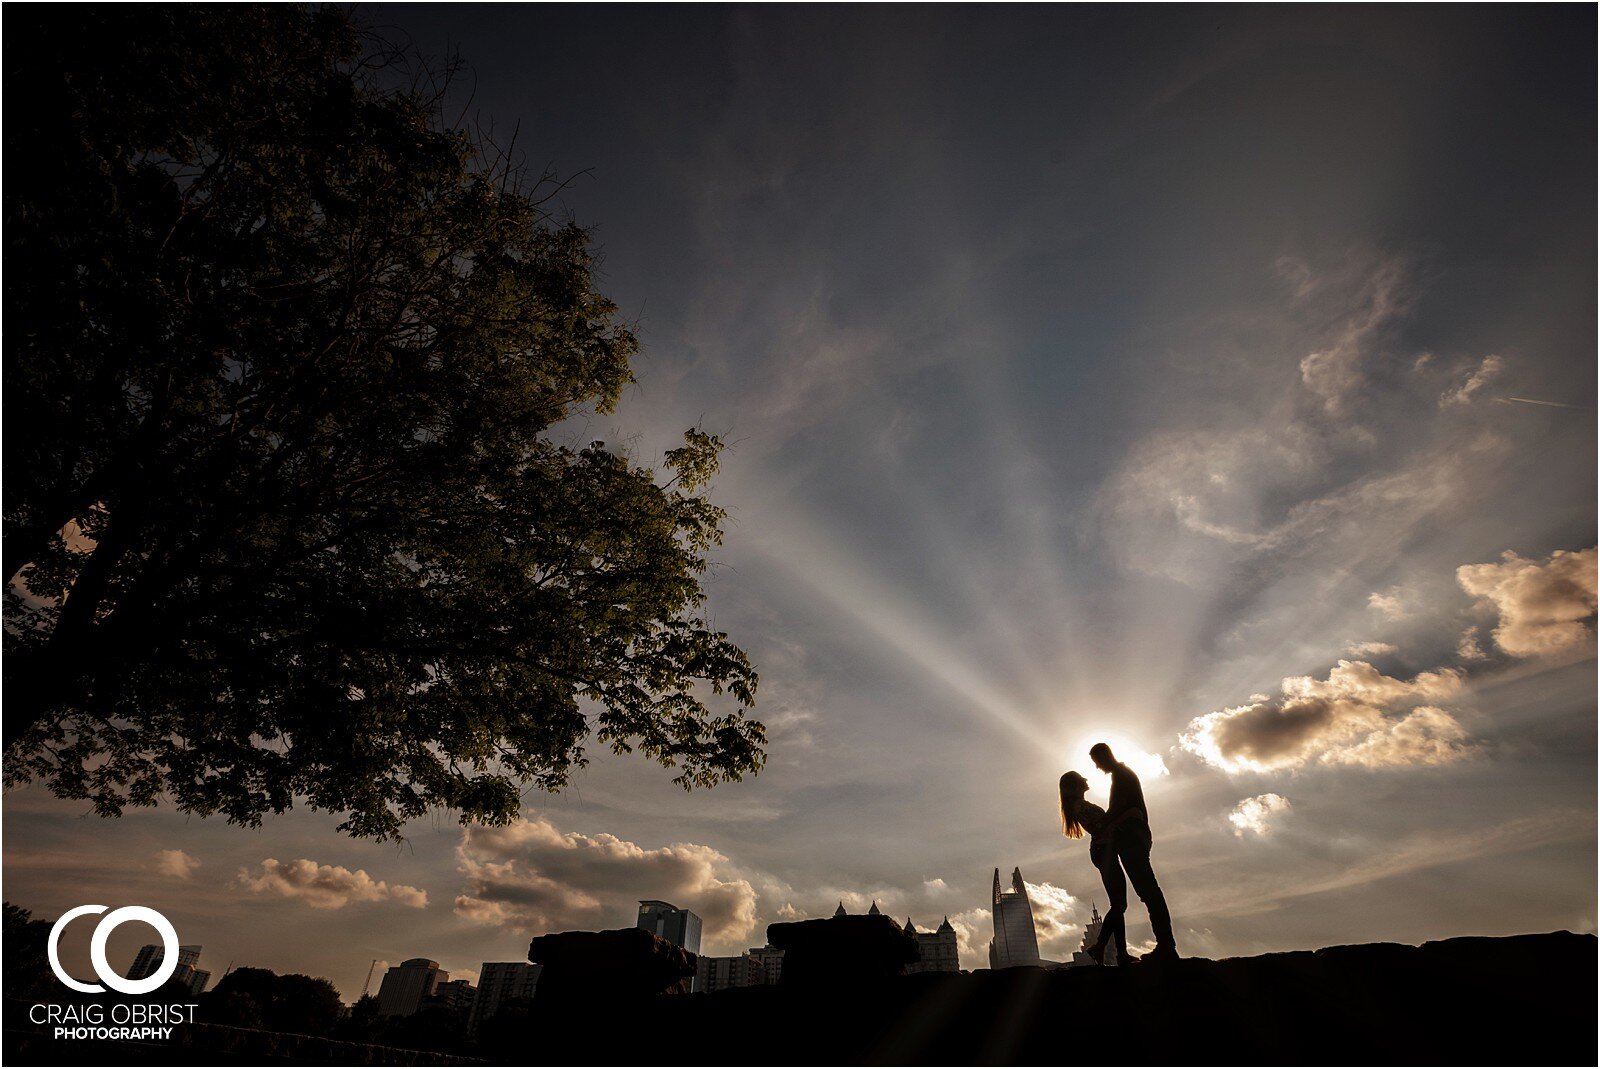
[770, 959]
[407, 984]
[719, 974]
[677, 926]
[498, 982]
[188, 972]
[1015, 941]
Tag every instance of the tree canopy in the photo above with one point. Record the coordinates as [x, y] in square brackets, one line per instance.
[288, 513]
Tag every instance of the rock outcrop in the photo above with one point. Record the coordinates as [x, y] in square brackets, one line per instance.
[842, 950]
[1473, 1001]
[597, 966]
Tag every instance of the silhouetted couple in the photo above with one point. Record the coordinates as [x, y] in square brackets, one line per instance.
[1119, 842]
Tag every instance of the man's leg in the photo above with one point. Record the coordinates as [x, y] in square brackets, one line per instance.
[1136, 860]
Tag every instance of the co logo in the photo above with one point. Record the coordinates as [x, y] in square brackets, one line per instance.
[97, 950]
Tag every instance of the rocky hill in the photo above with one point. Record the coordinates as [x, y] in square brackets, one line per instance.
[1520, 1000]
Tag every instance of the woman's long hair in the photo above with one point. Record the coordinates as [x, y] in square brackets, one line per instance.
[1073, 788]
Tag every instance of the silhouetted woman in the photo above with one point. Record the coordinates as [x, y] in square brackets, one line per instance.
[1079, 815]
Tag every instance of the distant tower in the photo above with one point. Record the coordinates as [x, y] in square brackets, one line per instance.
[840, 911]
[677, 926]
[498, 982]
[188, 973]
[1015, 941]
[938, 949]
[1091, 936]
[874, 912]
[405, 985]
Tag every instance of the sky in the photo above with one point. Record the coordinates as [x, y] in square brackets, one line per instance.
[1218, 383]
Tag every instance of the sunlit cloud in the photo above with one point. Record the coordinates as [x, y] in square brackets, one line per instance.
[1387, 603]
[1255, 815]
[1468, 648]
[174, 863]
[1542, 606]
[1371, 649]
[1374, 295]
[1055, 920]
[974, 929]
[326, 886]
[1463, 392]
[1425, 736]
[1356, 716]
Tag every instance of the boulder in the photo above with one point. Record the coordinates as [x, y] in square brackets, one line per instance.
[842, 949]
[623, 962]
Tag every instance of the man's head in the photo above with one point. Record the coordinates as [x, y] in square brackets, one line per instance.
[1102, 757]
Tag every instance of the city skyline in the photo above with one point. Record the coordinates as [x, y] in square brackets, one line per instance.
[1218, 385]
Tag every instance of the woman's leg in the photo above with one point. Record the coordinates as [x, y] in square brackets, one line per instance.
[1113, 924]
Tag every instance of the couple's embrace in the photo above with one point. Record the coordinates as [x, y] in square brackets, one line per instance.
[1119, 842]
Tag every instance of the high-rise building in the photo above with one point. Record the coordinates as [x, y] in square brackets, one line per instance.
[938, 947]
[719, 974]
[677, 926]
[451, 995]
[1015, 941]
[770, 958]
[499, 982]
[188, 973]
[407, 984]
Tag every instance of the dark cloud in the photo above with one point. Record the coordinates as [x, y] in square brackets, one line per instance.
[535, 878]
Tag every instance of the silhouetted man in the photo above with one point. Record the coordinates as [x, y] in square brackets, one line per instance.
[1131, 840]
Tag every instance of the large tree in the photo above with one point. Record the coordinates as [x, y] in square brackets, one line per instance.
[288, 513]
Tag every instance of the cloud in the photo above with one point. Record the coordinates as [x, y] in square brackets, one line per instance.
[1256, 814]
[326, 886]
[1357, 716]
[1468, 648]
[934, 886]
[1371, 649]
[532, 877]
[974, 929]
[174, 863]
[1387, 603]
[1374, 295]
[1462, 392]
[1425, 736]
[1542, 606]
[1358, 679]
[1055, 920]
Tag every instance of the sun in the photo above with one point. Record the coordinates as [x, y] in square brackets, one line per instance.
[1147, 765]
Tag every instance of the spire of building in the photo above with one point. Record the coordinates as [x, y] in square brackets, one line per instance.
[946, 926]
[997, 887]
[874, 911]
[840, 911]
[911, 929]
[1016, 881]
